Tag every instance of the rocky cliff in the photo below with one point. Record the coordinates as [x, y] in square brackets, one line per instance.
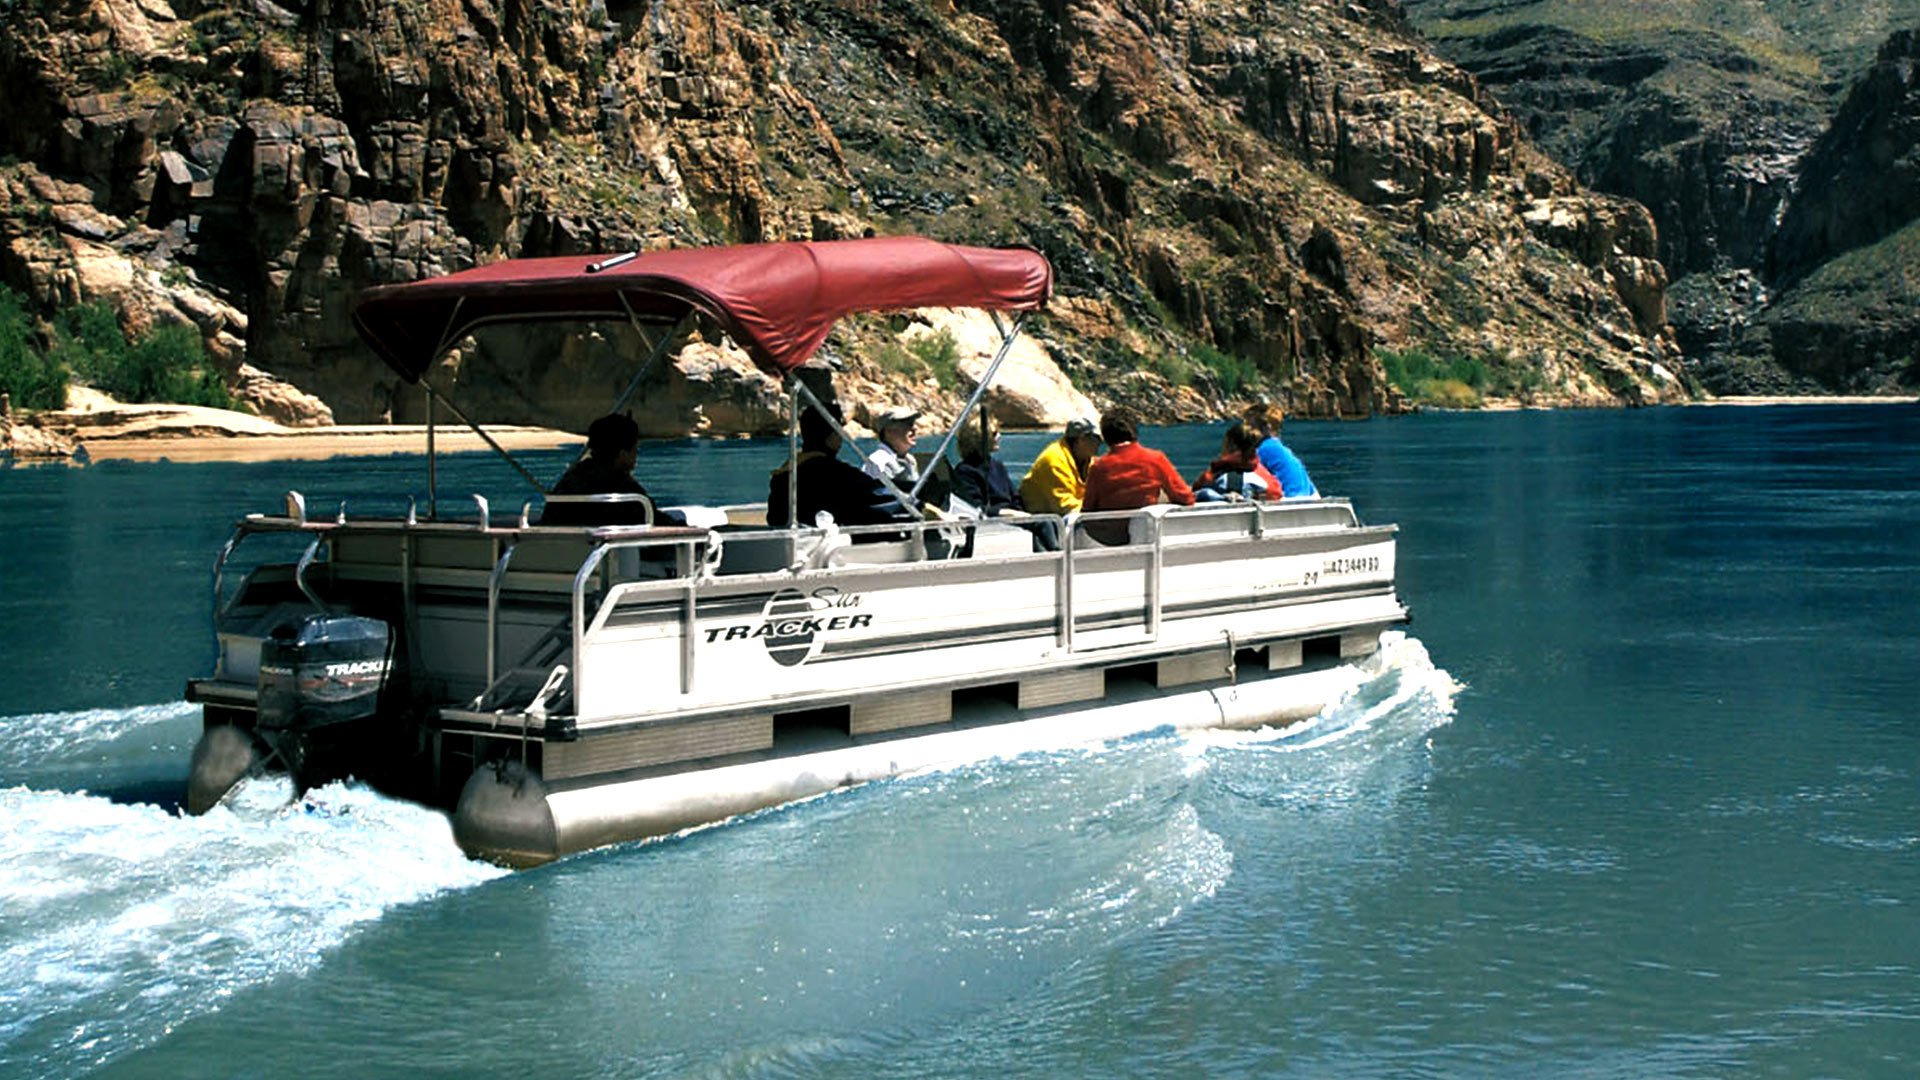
[1728, 123]
[1846, 257]
[1237, 199]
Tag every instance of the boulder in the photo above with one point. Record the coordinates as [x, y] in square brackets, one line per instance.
[23, 439]
[712, 390]
[1029, 390]
[278, 400]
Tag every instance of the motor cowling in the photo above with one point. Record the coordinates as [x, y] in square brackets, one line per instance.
[323, 670]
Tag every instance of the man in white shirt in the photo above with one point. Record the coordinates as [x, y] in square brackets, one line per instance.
[893, 458]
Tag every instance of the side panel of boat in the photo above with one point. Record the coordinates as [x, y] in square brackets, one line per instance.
[857, 629]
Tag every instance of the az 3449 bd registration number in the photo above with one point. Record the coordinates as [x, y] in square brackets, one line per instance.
[1366, 564]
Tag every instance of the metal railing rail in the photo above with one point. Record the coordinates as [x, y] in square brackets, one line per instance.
[501, 561]
[686, 583]
[696, 561]
[583, 629]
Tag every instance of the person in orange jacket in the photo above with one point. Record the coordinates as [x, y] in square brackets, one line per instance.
[1128, 476]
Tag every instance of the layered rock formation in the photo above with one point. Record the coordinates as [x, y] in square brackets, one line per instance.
[1847, 255]
[1729, 124]
[1236, 199]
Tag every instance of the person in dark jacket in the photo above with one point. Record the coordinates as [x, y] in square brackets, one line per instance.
[613, 446]
[981, 480]
[829, 484]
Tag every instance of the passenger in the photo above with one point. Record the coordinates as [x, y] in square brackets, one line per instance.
[829, 484]
[893, 458]
[1057, 482]
[1237, 472]
[613, 447]
[1264, 420]
[1127, 477]
[980, 481]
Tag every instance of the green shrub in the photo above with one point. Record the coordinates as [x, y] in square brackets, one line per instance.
[35, 381]
[1452, 394]
[1456, 380]
[940, 354]
[169, 364]
[936, 350]
[174, 365]
[1170, 366]
[1233, 372]
[892, 356]
[116, 70]
[936, 354]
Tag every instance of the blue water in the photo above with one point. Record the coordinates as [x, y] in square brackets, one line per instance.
[1668, 824]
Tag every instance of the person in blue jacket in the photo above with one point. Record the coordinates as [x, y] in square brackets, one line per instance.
[1264, 420]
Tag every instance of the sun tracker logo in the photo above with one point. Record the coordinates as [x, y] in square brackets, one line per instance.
[794, 623]
[794, 638]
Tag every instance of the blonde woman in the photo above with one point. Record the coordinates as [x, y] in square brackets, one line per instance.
[981, 480]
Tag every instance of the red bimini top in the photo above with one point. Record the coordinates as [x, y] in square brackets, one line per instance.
[778, 301]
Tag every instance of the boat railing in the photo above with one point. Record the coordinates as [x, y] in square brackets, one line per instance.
[596, 568]
[909, 548]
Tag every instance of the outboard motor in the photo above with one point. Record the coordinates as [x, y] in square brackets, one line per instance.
[320, 673]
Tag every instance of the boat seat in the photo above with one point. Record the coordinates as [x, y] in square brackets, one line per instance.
[763, 552]
[996, 538]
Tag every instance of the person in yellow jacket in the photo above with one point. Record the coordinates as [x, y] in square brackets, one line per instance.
[1057, 482]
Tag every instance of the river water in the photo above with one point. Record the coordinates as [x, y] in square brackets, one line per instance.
[1639, 795]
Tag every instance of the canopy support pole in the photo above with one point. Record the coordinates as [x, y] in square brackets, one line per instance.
[433, 463]
[793, 455]
[1007, 338]
[484, 437]
[654, 353]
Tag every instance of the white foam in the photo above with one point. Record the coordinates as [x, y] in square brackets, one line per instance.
[123, 920]
[37, 737]
[1398, 684]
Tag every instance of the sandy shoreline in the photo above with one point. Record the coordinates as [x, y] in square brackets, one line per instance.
[313, 444]
[177, 433]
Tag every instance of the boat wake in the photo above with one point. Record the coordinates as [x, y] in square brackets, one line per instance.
[859, 926]
[125, 919]
[109, 751]
[35, 736]
[1398, 686]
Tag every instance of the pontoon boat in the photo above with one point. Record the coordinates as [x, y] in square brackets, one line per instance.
[562, 688]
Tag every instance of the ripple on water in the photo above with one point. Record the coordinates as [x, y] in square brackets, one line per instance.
[34, 744]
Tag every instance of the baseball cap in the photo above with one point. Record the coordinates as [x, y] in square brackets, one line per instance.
[1082, 425]
[898, 416]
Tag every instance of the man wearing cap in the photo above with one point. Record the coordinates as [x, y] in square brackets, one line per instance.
[827, 483]
[1057, 482]
[893, 458]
